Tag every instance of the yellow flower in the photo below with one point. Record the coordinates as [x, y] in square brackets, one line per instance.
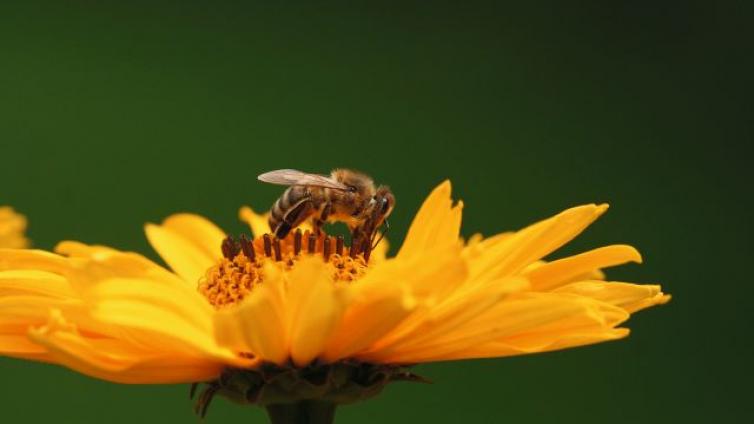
[259, 303]
[12, 228]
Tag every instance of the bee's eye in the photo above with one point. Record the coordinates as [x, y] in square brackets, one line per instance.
[351, 189]
[385, 206]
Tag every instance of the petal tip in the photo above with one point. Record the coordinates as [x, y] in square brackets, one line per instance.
[634, 255]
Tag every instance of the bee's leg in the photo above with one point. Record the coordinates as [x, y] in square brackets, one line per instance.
[320, 221]
[356, 241]
[295, 216]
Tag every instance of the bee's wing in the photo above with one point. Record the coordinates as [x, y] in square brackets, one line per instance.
[293, 177]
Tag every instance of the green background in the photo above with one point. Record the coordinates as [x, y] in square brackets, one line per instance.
[114, 114]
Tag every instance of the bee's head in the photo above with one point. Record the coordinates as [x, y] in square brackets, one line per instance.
[384, 202]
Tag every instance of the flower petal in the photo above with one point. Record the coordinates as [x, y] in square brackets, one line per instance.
[255, 326]
[34, 282]
[204, 234]
[314, 309]
[535, 318]
[94, 263]
[116, 360]
[514, 253]
[631, 297]
[448, 317]
[561, 271]
[12, 227]
[182, 255]
[369, 316]
[257, 223]
[437, 224]
[163, 318]
[34, 260]
[19, 346]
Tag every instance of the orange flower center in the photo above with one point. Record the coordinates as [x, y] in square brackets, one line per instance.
[241, 267]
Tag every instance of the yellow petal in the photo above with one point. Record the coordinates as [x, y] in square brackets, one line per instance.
[77, 249]
[204, 234]
[182, 255]
[34, 282]
[370, 315]
[437, 223]
[255, 326]
[258, 223]
[33, 260]
[12, 228]
[19, 346]
[164, 318]
[544, 342]
[116, 360]
[521, 317]
[94, 263]
[631, 297]
[18, 313]
[513, 254]
[314, 309]
[553, 274]
[449, 317]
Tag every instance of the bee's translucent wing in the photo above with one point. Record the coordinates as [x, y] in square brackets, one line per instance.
[291, 177]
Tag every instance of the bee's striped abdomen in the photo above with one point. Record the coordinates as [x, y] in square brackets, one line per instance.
[282, 206]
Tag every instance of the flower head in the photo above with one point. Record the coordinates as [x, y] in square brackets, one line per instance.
[273, 321]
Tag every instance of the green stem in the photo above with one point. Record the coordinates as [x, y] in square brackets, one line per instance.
[304, 412]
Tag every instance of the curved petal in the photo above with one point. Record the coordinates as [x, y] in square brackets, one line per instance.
[34, 260]
[255, 326]
[631, 297]
[314, 309]
[521, 317]
[367, 319]
[94, 263]
[34, 282]
[438, 223]
[116, 360]
[551, 275]
[203, 233]
[162, 318]
[19, 346]
[184, 256]
[512, 254]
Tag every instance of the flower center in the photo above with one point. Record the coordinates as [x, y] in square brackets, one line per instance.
[240, 269]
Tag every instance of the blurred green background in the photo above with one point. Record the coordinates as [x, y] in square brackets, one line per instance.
[117, 113]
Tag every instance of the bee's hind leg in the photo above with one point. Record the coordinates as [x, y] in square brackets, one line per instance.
[322, 218]
[293, 218]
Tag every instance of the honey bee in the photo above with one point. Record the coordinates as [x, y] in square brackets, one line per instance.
[344, 196]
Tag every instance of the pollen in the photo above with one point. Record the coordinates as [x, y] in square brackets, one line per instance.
[240, 269]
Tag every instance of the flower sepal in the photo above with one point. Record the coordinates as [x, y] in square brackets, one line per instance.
[291, 390]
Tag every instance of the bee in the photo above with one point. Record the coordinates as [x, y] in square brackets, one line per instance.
[345, 196]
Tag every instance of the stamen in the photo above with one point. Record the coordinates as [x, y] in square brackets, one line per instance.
[326, 248]
[276, 247]
[267, 245]
[339, 245]
[241, 267]
[229, 247]
[312, 243]
[246, 247]
[297, 242]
